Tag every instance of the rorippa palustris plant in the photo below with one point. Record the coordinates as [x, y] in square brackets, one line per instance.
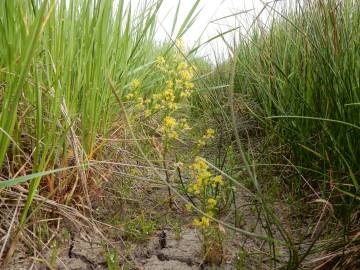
[163, 111]
[207, 191]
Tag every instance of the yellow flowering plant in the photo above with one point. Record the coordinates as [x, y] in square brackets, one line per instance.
[163, 111]
[207, 190]
[162, 108]
[206, 187]
[159, 109]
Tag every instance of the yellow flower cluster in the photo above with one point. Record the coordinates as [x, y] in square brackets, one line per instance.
[211, 203]
[175, 79]
[200, 172]
[203, 177]
[182, 66]
[160, 61]
[168, 99]
[205, 187]
[210, 134]
[217, 181]
[169, 127]
[177, 75]
[165, 100]
[170, 123]
[129, 96]
[185, 77]
[203, 222]
[179, 71]
[169, 84]
[135, 84]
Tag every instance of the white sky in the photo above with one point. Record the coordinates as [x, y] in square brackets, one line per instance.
[203, 29]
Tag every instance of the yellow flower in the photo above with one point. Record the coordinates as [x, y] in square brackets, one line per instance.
[210, 133]
[197, 222]
[160, 61]
[199, 182]
[217, 180]
[135, 84]
[204, 176]
[188, 85]
[204, 222]
[185, 75]
[173, 135]
[169, 95]
[157, 106]
[212, 203]
[169, 84]
[147, 113]
[199, 164]
[185, 93]
[196, 188]
[170, 122]
[202, 163]
[172, 106]
[182, 66]
[129, 96]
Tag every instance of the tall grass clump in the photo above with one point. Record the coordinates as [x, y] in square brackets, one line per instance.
[304, 72]
[55, 67]
[57, 107]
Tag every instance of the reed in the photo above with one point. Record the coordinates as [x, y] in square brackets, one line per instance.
[304, 73]
[56, 100]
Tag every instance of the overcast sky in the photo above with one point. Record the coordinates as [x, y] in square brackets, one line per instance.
[205, 25]
[209, 23]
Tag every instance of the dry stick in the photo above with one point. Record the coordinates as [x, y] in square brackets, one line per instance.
[319, 228]
[65, 210]
[72, 213]
[10, 227]
[167, 176]
[183, 186]
[31, 241]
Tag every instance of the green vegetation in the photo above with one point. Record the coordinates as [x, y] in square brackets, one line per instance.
[304, 75]
[105, 130]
